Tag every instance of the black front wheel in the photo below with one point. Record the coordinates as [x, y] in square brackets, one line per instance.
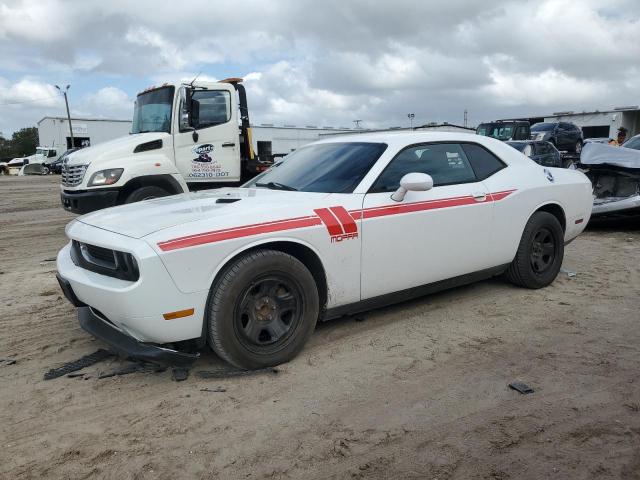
[540, 253]
[262, 309]
[146, 193]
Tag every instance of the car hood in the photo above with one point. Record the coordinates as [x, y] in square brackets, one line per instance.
[116, 148]
[137, 220]
[601, 154]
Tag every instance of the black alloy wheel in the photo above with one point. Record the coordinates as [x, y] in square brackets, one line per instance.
[543, 251]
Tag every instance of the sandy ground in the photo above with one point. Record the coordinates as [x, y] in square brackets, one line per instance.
[418, 390]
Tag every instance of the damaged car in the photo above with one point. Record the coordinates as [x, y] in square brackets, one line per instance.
[340, 226]
[615, 175]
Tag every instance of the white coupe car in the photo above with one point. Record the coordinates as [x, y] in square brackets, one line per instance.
[340, 226]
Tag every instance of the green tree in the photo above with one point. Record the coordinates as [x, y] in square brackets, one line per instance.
[24, 141]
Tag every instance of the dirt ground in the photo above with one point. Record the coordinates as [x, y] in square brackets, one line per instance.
[418, 390]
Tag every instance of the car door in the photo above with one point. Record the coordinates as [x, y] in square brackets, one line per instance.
[429, 236]
[563, 137]
[212, 154]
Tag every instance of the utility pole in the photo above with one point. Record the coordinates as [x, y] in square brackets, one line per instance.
[357, 122]
[66, 102]
[411, 117]
[466, 118]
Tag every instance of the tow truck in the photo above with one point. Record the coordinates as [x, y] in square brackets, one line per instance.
[185, 136]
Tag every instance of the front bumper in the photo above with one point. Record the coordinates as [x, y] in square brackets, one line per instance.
[119, 341]
[129, 346]
[85, 201]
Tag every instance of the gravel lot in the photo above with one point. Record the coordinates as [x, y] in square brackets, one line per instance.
[418, 390]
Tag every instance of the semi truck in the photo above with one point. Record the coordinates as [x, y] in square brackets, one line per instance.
[184, 136]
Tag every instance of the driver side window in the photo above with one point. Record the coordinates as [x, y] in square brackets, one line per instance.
[214, 108]
[445, 162]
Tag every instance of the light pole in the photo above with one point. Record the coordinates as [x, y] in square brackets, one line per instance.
[66, 102]
[357, 122]
[411, 117]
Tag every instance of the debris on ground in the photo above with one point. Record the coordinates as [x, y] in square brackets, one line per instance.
[79, 364]
[521, 387]
[225, 373]
[180, 374]
[213, 390]
[570, 273]
[133, 368]
[5, 362]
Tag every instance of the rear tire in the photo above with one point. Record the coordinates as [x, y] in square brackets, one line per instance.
[540, 253]
[145, 193]
[262, 309]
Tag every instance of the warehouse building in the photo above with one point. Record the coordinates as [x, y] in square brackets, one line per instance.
[597, 123]
[54, 131]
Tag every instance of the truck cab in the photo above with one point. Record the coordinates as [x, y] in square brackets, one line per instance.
[508, 130]
[184, 136]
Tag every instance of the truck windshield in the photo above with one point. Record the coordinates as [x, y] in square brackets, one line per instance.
[501, 131]
[42, 151]
[152, 111]
[324, 167]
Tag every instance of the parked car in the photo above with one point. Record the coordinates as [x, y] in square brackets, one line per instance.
[505, 130]
[615, 175]
[55, 166]
[564, 135]
[633, 142]
[340, 226]
[596, 140]
[543, 153]
[14, 165]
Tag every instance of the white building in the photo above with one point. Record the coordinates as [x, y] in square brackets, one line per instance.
[600, 124]
[597, 123]
[268, 139]
[54, 131]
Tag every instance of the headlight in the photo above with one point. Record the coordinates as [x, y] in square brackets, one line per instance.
[105, 177]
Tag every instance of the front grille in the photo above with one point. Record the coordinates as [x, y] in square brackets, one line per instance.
[72, 175]
[105, 261]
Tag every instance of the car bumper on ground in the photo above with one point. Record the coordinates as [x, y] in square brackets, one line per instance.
[129, 346]
[84, 201]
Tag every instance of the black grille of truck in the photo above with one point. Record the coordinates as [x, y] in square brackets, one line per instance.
[105, 261]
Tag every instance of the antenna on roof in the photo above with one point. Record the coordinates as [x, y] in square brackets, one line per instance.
[195, 78]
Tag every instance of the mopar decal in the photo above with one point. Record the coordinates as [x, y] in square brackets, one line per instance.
[340, 224]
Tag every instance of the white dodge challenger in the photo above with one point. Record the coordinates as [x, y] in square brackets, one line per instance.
[340, 226]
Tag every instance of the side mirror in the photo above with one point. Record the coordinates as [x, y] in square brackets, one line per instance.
[417, 182]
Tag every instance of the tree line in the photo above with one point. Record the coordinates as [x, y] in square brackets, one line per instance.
[23, 142]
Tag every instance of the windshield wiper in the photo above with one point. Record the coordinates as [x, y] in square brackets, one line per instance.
[276, 186]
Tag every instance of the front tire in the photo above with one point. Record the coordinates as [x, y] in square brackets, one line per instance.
[145, 193]
[262, 309]
[540, 253]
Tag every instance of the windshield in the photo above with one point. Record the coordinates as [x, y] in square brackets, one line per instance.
[325, 167]
[633, 143]
[542, 127]
[42, 151]
[152, 111]
[501, 131]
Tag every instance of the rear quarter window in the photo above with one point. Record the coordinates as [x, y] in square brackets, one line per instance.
[483, 162]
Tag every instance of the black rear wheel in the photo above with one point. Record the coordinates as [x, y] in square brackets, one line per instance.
[540, 253]
[262, 309]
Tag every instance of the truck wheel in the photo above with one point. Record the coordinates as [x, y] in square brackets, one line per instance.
[145, 193]
[539, 256]
[262, 309]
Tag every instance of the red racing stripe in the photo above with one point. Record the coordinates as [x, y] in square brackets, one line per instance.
[231, 233]
[332, 224]
[328, 217]
[347, 220]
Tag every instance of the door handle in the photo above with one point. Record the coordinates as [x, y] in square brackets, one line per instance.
[229, 144]
[479, 196]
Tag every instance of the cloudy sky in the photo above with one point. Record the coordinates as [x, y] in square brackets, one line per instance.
[324, 63]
